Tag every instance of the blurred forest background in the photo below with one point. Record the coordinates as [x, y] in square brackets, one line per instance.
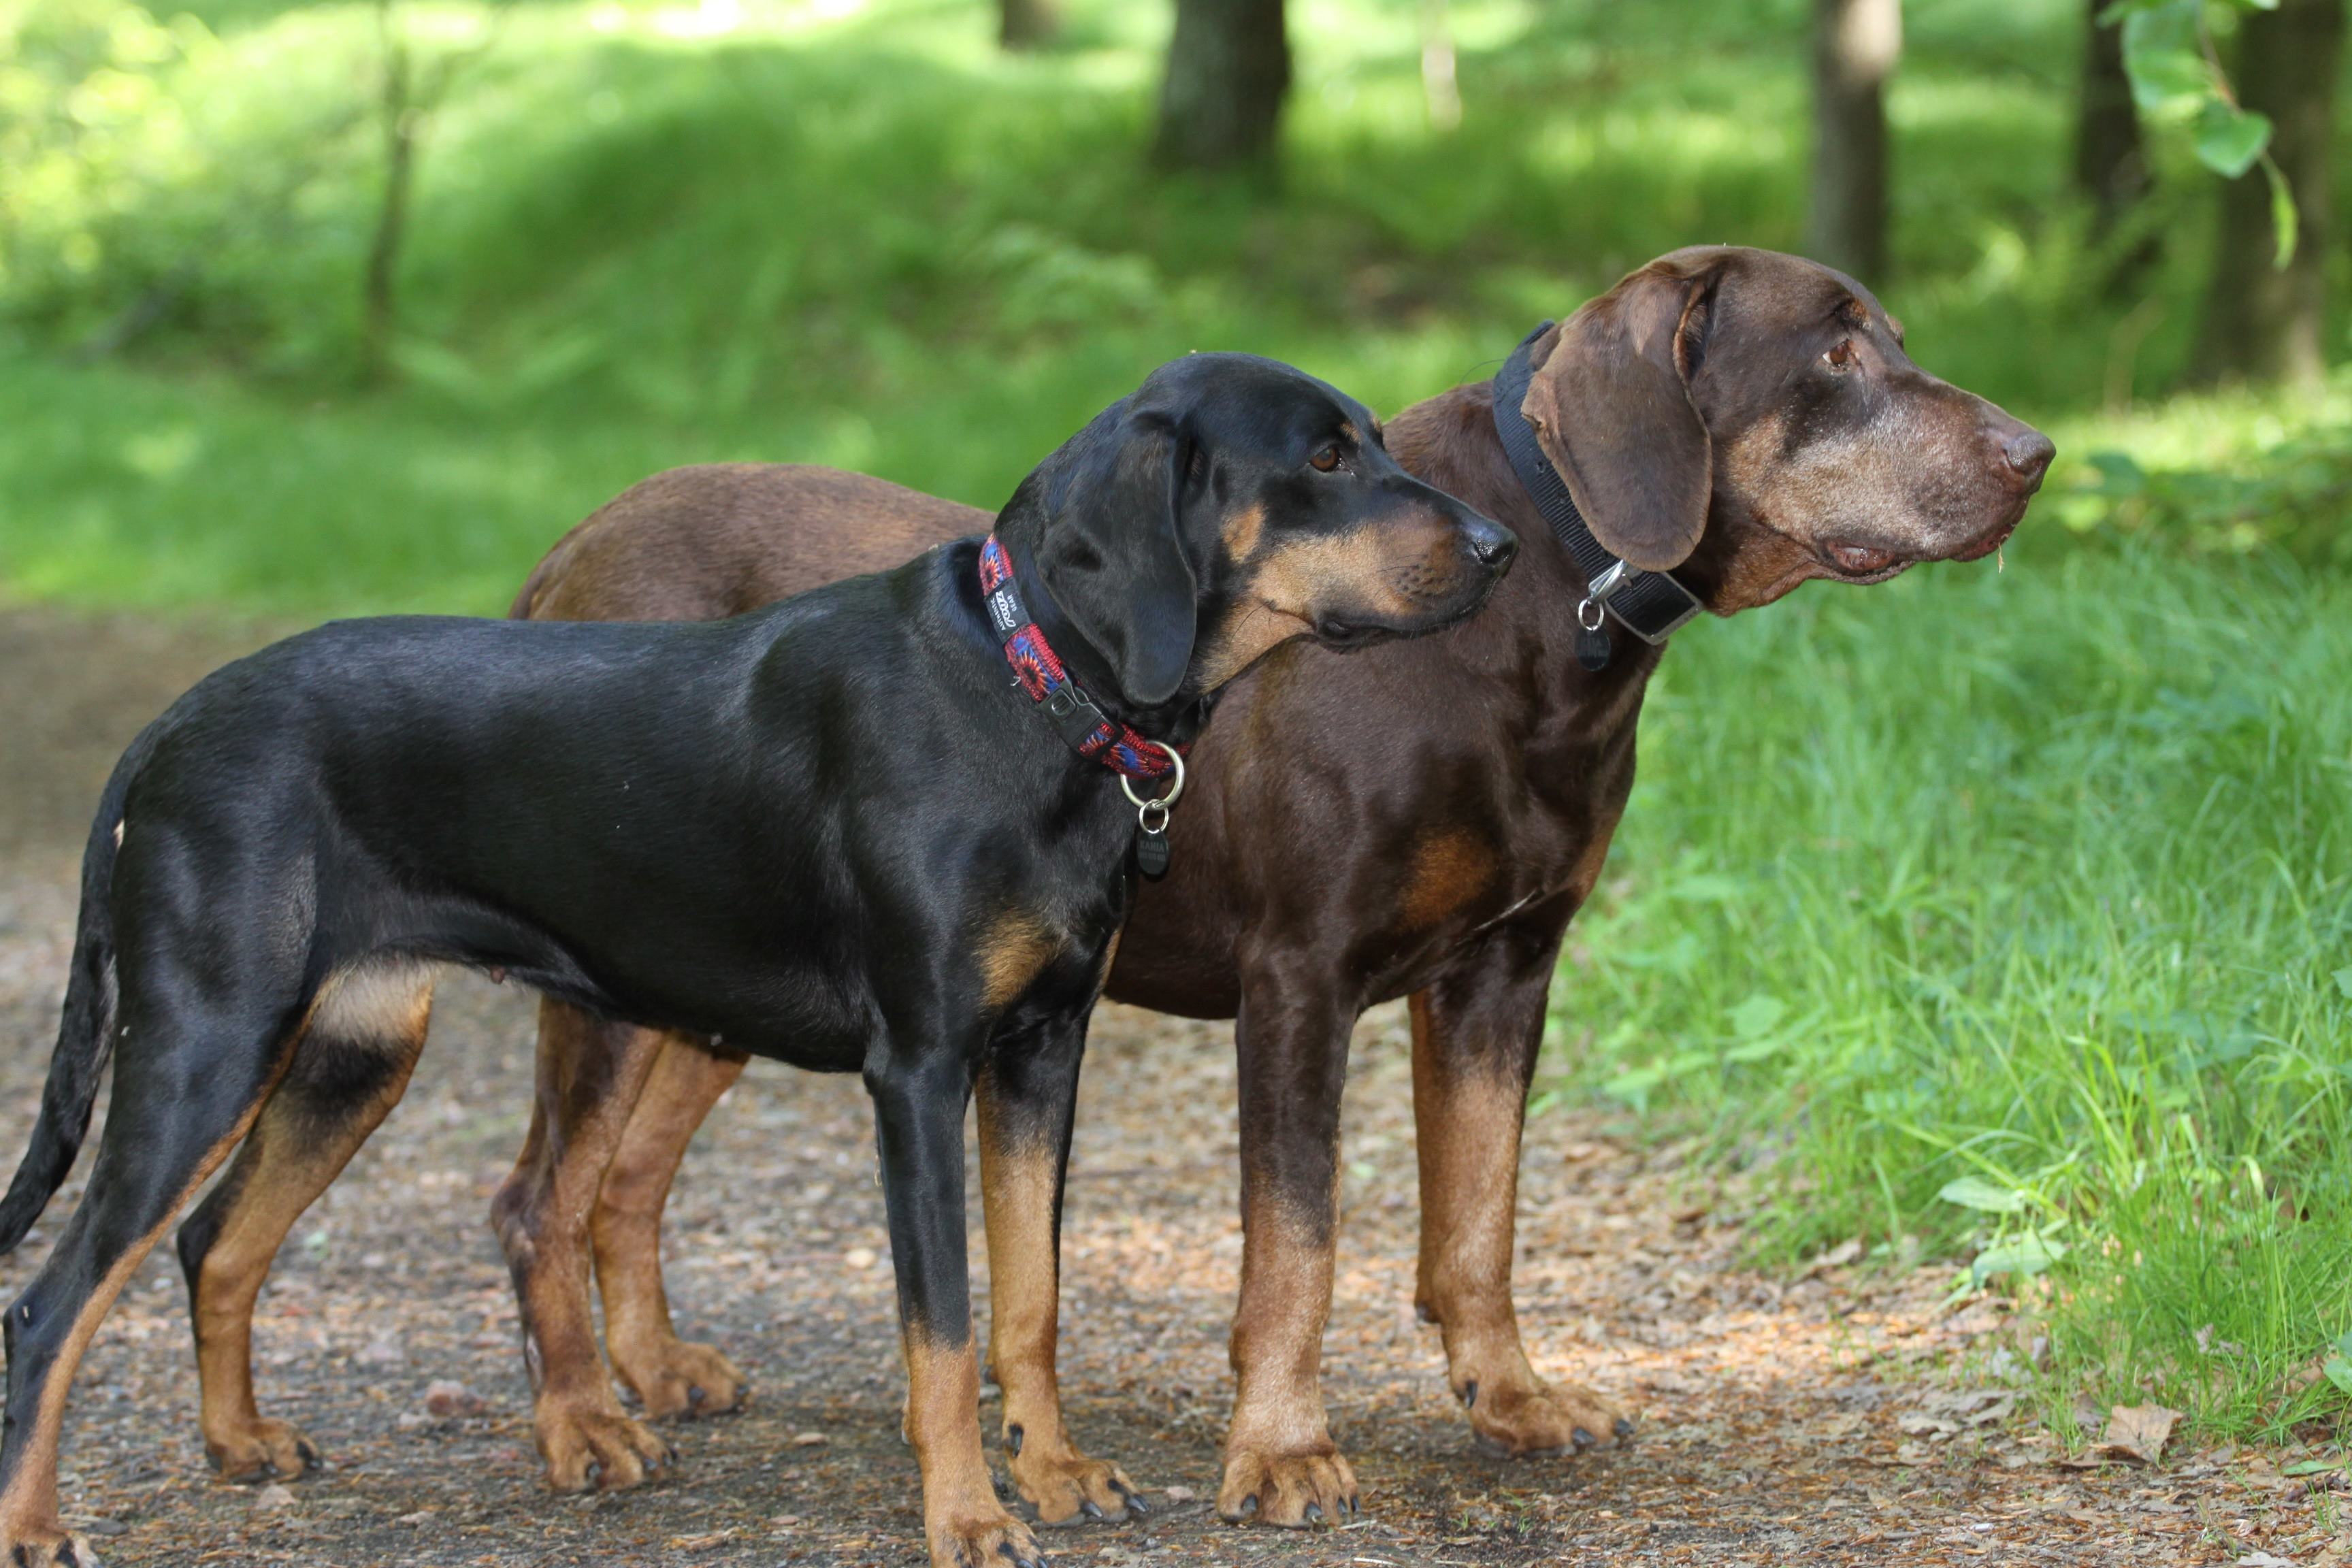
[2002, 917]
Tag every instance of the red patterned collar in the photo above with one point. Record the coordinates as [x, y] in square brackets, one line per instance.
[1090, 732]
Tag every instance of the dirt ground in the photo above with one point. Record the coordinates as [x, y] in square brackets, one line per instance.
[1834, 1418]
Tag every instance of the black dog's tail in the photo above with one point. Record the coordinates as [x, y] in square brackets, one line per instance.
[86, 1035]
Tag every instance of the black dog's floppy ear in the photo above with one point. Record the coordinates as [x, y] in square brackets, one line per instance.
[1612, 407]
[1111, 550]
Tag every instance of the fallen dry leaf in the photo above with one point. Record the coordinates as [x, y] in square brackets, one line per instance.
[2137, 1432]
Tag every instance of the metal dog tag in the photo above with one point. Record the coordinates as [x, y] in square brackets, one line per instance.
[1592, 647]
[1152, 852]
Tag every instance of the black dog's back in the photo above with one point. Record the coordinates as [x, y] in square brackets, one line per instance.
[589, 771]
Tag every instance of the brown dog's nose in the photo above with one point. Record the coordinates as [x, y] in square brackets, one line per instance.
[1491, 543]
[2028, 453]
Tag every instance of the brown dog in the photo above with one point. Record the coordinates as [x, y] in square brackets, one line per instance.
[1420, 819]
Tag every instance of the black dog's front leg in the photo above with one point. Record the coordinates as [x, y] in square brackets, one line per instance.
[1028, 1098]
[918, 1104]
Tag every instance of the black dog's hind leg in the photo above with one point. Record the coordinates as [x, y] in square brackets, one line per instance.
[918, 1104]
[1028, 1095]
[349, 1069]
[186, 1087]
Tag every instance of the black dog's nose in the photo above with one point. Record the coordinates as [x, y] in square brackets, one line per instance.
[1491, 543]
[2029, 452]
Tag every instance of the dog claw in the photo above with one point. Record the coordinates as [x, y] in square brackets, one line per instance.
[1582, 1439]
[1313, 1514]
[1623, 1427]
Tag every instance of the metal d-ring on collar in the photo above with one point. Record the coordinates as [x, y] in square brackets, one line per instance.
[1650, 605]
[1163, 805]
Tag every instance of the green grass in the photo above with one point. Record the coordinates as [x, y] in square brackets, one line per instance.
[2041, 878]
[2035, 879]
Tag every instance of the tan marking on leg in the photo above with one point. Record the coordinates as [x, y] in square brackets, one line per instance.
[380, 999]
[962, 1521]
[1017, 1181]
[28, 1508]
[286, 1163]
[588, 1083]
[1012, 951]
[1449, 869]
[671, 1376]
[1280, 1460]
[1468, 1144]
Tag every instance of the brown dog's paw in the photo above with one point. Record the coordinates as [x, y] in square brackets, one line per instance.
[678, 1381]
[50, 1545]
[598, 1449]
[262, 1451]
[1291, 1491]
[985, 1539]
[1066, 1488]
[1548, 1418]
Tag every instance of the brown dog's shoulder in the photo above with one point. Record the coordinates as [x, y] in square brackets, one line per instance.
[718, 539]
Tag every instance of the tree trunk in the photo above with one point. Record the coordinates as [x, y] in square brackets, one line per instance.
[2110, 167]
[2263, 322]
[1855, 43]
[379, 304]
[1228, 68]
[1027, 24]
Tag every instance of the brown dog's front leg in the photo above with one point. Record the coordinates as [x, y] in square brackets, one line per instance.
[1027, 1094]
[1281, 1465]
[1475, 1033]
[672, 1377]
[590, 1073]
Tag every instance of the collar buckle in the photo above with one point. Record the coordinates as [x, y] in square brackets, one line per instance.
[1650, 627]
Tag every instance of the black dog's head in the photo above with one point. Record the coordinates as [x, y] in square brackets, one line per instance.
[1753, 419]
[1231, 504]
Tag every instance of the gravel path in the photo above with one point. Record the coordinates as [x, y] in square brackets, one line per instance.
[1840, 1418]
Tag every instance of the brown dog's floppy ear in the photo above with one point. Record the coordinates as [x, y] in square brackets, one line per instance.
[1613, 410]
[1111, 550]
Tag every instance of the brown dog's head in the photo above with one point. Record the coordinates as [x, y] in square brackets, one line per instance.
[1231, 504]
[1751, 418]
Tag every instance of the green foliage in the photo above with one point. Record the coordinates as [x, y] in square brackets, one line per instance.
[2051, 871]
[2176, 76]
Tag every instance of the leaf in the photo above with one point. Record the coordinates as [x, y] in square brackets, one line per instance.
[2344, 983]
[2137, 1433]
[2162, 57]
[2284, 218]
[2338, 1371]
[1757, 1016]
[2229, 139]
[2310, 1467]
[1975, 1193]
[2025, 1256]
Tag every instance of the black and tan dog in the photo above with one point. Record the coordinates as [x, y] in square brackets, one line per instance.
[837, 833]
[1421, 820]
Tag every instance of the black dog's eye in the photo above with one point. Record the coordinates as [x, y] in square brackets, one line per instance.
[1841, 356]
[1327, 460]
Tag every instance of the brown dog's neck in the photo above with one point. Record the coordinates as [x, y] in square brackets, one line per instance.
[1450, 441]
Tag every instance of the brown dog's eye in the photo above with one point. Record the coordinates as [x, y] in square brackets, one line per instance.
[1841, 356]
[1327, 460]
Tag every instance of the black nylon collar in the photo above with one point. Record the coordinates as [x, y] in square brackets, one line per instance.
[1650, 605]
